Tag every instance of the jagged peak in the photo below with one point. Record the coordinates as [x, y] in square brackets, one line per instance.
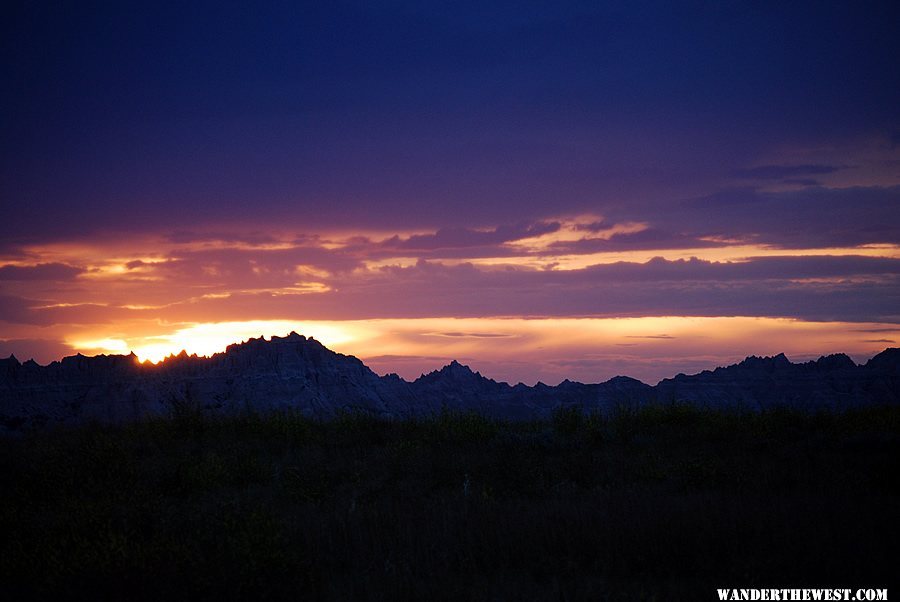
[835, 361]
[455, 366]
[775, 361]
[292, 337]
[261, 342]
[454, 371]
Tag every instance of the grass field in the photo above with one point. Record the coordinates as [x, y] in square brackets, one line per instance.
[667, 503]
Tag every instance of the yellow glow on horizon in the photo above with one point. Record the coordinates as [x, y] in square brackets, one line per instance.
[208, 339]
[411, 346]
[117, 346]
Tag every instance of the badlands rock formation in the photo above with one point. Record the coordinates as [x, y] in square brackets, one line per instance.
[299, 374]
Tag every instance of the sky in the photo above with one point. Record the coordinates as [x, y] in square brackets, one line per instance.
[540, 190]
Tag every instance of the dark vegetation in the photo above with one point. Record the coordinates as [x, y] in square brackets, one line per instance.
[665, 503]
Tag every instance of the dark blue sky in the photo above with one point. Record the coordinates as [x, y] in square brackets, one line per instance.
[122, 116]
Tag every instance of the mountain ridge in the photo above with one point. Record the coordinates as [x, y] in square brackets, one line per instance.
[297, 373]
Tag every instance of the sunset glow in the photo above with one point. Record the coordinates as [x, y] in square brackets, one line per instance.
[517, 310]
[543, 193]
[528, 350]
[469, 299]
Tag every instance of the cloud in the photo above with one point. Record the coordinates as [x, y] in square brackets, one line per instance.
[465, 237]
[224, 285]
[43, 351]
[785, 267]
[650, 336]
[245, 269]
[778, 172]
[802, 181]
[84, 313]
[476, 335]
[803, 288]
[248, 238]
[647, 239]
[15, 310]
[813, 217]
[596, 226]
[42, 271]
[40, 312]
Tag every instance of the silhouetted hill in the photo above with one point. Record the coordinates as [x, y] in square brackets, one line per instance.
[300, 374]
[832, 382]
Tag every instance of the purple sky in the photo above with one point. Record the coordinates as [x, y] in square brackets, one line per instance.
[165, 167]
